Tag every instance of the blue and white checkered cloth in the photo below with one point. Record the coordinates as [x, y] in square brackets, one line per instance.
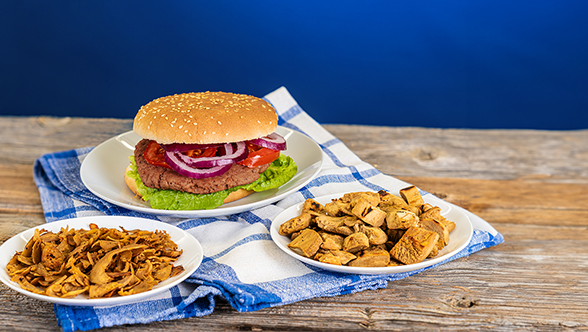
[241, 264]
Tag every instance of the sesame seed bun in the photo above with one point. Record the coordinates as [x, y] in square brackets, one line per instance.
[233, 196]
[205, 117]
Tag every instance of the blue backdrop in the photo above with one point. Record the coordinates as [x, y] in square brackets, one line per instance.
[472, 64]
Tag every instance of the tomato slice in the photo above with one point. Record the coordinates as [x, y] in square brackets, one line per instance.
[155, 155]
[259, 156]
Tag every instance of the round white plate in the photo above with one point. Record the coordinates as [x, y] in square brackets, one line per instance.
[458, 239]
[190, 258]
[102, 172]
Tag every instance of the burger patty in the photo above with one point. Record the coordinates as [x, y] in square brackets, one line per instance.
[164, 178]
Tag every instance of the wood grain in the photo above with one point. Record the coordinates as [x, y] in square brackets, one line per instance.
[532, 186]
[553, 156]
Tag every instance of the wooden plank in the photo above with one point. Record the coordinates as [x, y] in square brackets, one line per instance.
[556, 156]
[18, 189]
[24, 139]
[523, 201]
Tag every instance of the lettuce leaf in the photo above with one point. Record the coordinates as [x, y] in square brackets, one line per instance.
[278, 173]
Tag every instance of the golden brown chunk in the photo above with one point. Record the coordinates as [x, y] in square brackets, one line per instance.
[372, 258]
[435, 214]
[328, 258]
[401, 219]
[356, 242]
[426, 207]
[337, 208]
[375, 235]
[415, 245]
[365, 211]
[336, 257]
[437, 227]
[310, 205]
[295, 224]
[307, 243]
[432, 213]
[331, 241]
[371, 197]
[412, 196]
[389, 201]
[335, 224]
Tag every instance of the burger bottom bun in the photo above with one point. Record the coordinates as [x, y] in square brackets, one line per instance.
[235, 195]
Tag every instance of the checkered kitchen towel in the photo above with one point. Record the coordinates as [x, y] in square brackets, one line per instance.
[243, 266]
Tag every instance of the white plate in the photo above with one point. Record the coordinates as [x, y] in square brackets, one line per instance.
[102, 172]
[458, 239]
[190, 258]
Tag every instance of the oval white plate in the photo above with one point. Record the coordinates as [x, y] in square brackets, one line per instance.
[458, 239]
[102, 172]
[190, 258]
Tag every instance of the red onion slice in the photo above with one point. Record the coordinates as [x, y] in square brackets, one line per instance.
[272, 141]
[198, 173]
[204, 167]
[231, 155]
[180, 147]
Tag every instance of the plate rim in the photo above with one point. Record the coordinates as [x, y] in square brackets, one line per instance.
[314, 168]
[363, 270]
[195, 260]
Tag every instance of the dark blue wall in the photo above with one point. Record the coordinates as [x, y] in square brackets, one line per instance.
[473, 64]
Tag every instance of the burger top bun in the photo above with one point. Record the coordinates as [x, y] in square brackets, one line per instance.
[205, 117]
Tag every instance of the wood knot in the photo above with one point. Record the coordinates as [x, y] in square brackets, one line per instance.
[425, 155]
[49, 121]
[464, 302]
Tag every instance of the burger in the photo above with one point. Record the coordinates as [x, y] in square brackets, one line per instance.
[201, 150]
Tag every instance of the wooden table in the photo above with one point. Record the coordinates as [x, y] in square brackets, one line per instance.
[532, 186]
